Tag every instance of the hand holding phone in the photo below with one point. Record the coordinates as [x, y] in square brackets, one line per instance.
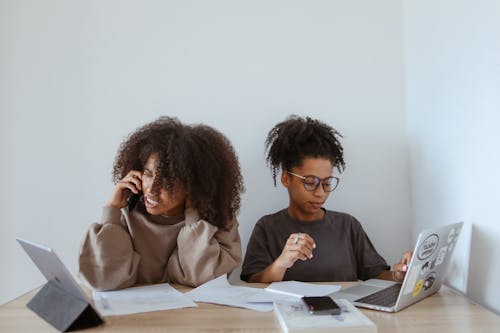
[132, 200]
[321, 305]
[124, 193]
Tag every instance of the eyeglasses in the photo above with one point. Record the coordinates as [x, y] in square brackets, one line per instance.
[311, 183]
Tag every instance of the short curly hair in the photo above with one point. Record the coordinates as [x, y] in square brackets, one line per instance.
[197, 156]
[296, 138]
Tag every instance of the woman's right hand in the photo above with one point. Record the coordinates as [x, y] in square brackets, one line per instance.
[132, 182]
[298, 246]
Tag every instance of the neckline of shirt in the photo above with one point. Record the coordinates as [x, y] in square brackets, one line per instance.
[313, 222]
[166, 220]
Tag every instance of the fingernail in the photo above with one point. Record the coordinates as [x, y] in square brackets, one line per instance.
[405, 267]
[314, 245]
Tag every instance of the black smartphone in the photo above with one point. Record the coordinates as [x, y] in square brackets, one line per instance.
[321, 305]
[132, 200]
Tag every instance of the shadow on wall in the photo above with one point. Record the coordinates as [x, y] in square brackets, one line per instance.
[458, 273]
[479, 284]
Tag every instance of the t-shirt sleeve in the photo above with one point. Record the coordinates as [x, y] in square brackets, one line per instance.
[258, 255]
[369, 262]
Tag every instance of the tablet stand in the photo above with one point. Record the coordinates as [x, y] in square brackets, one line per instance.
[62, 310]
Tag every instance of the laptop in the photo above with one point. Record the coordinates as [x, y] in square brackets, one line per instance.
[425, 274]
[53, 269]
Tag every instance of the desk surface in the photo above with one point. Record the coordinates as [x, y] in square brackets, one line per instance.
[445, 311]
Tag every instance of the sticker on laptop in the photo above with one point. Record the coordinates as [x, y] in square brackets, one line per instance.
[428, 246]
[418, 288]
[441, 255]
[433, 264]
[425, 268]
[451, 235]
[412, 279]
[429, 280]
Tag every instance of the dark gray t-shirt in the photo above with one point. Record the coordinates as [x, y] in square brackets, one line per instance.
[343, 250]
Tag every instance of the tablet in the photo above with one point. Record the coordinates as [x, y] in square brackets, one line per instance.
[52, 268]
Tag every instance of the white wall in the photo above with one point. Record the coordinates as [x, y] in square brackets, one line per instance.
[453, 103]
[77, 76]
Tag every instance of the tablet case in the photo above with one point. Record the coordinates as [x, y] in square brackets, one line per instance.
[62, 310]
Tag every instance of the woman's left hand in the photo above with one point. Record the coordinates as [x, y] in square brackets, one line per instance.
[401, 267]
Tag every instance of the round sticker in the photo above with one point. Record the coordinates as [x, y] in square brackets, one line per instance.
[429, 281]
[428, 246]
[418, 288]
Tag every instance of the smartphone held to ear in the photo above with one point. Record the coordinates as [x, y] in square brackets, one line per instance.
[132, 200]
[322, 305]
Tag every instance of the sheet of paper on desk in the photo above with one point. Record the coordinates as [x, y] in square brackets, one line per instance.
[219, 291]
[140, 299]
[300, 289]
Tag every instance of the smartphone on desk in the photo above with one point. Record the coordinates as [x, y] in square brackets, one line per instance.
[132, 200]
[321, 305]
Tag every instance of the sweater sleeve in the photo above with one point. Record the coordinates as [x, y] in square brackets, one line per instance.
[203, 251]
[107, 258]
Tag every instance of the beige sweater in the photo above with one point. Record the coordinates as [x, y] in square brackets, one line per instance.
[132, 248]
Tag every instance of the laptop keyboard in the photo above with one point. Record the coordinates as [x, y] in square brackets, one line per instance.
[385, 297]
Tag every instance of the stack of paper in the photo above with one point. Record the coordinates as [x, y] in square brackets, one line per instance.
[291, 290]
[217, 291]
[294, 317]
[140, 299]
[301, 289]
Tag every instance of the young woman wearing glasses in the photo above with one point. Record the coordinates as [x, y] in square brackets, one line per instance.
[306, 242]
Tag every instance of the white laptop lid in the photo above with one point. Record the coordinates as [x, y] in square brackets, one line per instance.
[429, 264]
[426, 271]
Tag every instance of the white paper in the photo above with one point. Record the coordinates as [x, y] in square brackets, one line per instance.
[269, 297]
[219, 291]
[300, 289]
[140, 299]
[295, 317]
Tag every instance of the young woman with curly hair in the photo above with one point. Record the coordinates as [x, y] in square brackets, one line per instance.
[183, 228]
[306, 242]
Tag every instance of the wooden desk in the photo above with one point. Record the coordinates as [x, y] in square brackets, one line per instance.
[445, 311]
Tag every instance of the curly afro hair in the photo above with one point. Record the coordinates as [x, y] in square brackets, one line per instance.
[197, 156]
[296, 138]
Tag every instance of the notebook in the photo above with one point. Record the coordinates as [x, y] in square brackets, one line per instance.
[53, 269]
[426, 272]
[294, 317]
